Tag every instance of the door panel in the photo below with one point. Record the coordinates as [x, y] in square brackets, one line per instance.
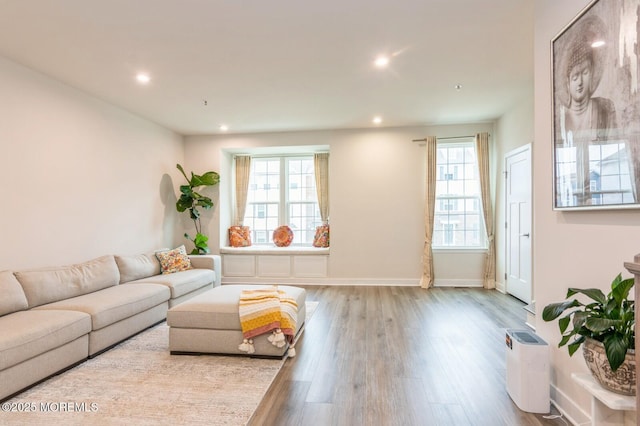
[518, 217]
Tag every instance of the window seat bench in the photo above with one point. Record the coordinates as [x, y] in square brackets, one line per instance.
[266, 264]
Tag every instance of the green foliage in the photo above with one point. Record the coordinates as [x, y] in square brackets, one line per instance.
[199, 243]
[609, 319]
[192, 201]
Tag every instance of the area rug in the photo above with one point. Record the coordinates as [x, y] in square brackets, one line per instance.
[139, 383]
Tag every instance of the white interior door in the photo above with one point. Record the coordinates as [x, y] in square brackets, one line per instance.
[518, 226]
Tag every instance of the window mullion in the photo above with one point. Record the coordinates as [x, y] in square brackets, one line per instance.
[283, 214]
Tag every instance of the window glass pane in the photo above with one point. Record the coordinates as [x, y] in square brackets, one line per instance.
[282, 191]
[456, 188]
[472, 238]
[458, 218]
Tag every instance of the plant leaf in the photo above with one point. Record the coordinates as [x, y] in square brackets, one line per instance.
[179, 167]
[598, 325]
[573, 347]
[592, 293]
[620, 288]
[207, 179]
[205, 202]
[184, 203]
[579, 319]
[200, 242]
[563, 323]
[210, 179]
[616, 349]
[554, 310]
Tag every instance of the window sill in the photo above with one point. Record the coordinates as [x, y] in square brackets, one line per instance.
[275, 250]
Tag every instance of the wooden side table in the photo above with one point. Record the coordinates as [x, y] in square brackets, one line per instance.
[607, 408]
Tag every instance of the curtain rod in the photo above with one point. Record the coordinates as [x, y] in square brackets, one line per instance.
[450, 137]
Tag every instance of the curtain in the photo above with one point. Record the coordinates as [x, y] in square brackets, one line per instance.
[430, 201]
[482, 151]
[321, 166]
[243, 169]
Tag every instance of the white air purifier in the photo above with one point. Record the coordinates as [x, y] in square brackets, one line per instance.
[528, 371]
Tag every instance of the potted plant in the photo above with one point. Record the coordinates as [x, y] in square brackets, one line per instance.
[191, 200]
[606, 326]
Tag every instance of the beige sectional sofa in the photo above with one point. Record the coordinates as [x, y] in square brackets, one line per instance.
[53, 318]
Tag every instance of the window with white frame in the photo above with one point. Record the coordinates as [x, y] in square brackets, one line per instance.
[458, 220]
[282, 191]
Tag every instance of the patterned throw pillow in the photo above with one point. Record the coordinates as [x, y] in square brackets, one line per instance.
[239, 236]
[322, 236]
[175, 260]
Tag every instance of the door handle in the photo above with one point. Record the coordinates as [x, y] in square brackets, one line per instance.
[525, 235]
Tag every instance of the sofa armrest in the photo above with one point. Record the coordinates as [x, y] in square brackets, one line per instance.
[208, 261]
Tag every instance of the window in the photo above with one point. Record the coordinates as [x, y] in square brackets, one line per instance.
[282, 191]
[458, 220]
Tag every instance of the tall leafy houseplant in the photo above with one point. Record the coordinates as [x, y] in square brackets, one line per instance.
[608, 319]
[191, 200]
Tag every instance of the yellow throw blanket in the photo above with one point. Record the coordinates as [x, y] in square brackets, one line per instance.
[265, 310]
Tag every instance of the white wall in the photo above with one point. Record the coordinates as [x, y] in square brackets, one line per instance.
[513, 130]
[376, 197]
[80, 178]
[570, 249]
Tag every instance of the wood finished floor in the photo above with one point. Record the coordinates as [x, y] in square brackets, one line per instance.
[400, 356]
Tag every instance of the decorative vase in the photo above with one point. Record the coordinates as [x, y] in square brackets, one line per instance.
[623, 381]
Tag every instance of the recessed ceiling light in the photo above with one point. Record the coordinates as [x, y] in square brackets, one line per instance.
[143, 78]
[458, 86]
[224, 127]
[381, 61]
[377, 120]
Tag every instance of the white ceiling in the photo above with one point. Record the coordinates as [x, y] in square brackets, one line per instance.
[279, 65]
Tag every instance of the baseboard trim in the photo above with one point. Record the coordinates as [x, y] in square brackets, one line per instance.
[457, 283]
[568, 407]
[386, 282]
[400, 282]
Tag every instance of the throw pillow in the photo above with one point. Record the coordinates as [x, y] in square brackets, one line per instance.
[321, 238]
[239, 236]
[175, 260]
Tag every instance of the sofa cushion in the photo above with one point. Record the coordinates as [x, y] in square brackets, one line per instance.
[175, 260]
[46, 285]
[113, 304]
[27, 334]
[12, 298]
[139, 266]
[182, 282]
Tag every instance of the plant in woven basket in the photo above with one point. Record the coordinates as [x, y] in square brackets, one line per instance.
[609, 319]
[192, 200]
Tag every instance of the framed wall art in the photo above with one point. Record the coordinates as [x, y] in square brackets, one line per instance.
[596, 108]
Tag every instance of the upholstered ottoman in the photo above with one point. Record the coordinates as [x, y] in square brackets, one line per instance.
[210, 323]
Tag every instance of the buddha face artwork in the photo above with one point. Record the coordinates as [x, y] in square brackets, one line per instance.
[596, 112]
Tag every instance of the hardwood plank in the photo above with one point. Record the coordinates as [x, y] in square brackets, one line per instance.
[400, 356]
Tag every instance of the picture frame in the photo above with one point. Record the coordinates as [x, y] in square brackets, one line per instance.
[596, 108]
